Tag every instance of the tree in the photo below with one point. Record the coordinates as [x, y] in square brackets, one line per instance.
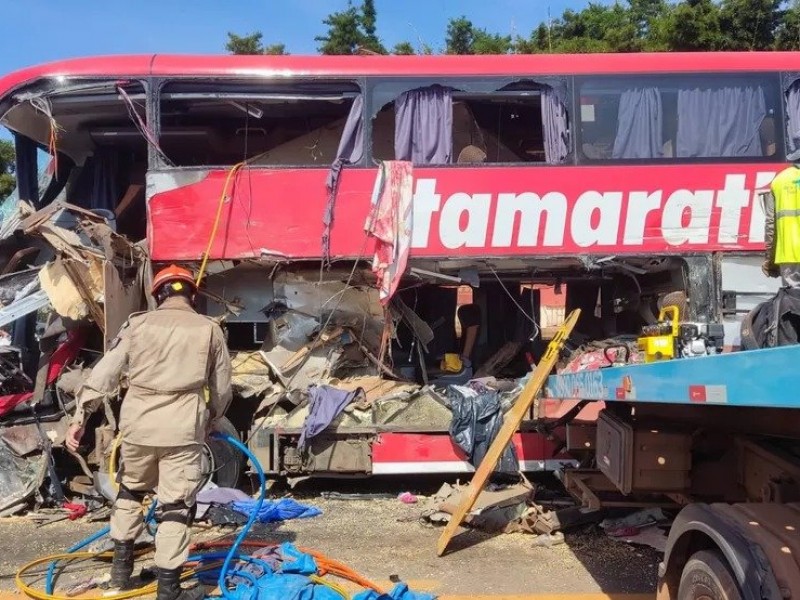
[693, 25]
[644, 14]
[246, 44]
[490, 43]
[369, 18]
[251, 44]
[276, 49]
[539, 41]
[749, 24]
[7, 168]
[787, 36]
[351, 30]
[464, 38]
[460, 36]
[403, 49]
[344, 33]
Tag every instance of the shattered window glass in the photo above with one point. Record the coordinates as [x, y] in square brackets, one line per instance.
[222, 124]
[521, 123]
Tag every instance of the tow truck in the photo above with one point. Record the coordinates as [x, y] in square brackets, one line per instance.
[718, 435]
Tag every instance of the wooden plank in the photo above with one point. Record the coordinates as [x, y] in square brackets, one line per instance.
[131, 194]
[511, 423]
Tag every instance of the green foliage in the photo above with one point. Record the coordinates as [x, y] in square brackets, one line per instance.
[276, 49]
[403, 49]
[464, 38]
[7, 180]
[787, 36]
[350, 30]
[601, 26]
[252, 44]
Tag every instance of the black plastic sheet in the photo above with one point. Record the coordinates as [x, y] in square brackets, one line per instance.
[477, 418]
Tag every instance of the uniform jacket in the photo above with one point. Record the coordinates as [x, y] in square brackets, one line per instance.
[169, 356]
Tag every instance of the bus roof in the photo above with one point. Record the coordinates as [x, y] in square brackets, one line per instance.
[165, 65]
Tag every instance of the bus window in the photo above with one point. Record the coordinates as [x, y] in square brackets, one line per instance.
[523, 123]
[678, 117]
[793, 116]
[205, 124]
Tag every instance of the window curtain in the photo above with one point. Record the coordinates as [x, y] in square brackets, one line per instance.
[105, 191]
[350, 151]
[556, 128]
[793, 115]
[640, 120]
[720, 122]
[27, 168]
[423, 130]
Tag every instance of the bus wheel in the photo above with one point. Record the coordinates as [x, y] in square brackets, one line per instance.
[224, 461]
[707, 576]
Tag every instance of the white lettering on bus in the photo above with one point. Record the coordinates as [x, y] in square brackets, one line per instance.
[609, 208]
[531, 208]
[596, 218]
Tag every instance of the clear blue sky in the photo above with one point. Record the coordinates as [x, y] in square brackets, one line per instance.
[34, 31]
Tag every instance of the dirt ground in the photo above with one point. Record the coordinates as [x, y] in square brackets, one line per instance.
[383, 539]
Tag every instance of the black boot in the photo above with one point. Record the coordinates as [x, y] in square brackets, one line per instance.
[169, 587]
[122, 564]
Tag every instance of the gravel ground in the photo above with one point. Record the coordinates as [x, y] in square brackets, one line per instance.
[384, 538]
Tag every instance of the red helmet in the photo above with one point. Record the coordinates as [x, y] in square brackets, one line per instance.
[172, 273]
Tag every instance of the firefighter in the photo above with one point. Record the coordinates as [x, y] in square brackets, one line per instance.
[179, 383]
[782, 227]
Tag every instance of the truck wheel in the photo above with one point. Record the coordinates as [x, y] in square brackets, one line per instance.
[224, 460]
[707, 577]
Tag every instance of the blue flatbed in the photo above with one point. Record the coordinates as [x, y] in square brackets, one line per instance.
[767, 378]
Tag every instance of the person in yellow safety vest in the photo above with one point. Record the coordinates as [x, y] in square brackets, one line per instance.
[782, 227]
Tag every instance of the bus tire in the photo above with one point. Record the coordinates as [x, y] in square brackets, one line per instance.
[226, 461]
[707, 575]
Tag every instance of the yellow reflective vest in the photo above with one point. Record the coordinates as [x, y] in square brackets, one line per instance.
[786, 191]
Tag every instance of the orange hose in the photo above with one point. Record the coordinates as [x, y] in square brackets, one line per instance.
[326, 564]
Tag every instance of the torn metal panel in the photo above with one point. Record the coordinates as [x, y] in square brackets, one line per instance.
[421, 329]
[249, 288]
[19, 478]
[22, 307]
[18, 285]
[356, 306]
[21, 439]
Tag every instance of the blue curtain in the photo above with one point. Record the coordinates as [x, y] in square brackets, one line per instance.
[720, 122]
[423, 131]
[640, 121]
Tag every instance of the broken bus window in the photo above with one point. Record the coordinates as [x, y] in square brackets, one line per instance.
[297, 124]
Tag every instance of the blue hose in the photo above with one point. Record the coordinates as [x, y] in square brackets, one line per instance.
[51, 569]
[232, 553]
[230, 556]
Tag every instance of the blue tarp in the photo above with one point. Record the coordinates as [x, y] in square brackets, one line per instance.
[273, 511]
[399, 592]
[290, 581]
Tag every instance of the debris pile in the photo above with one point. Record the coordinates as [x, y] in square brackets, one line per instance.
[67, 270]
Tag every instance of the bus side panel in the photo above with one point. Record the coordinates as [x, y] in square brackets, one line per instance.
[494, 211]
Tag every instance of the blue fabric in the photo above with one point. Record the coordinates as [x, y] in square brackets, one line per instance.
[325, 404]
[273, 511]
[296, 562]
[399, 592]
[293, 587]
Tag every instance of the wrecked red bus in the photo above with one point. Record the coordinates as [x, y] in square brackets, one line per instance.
[602, 182]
